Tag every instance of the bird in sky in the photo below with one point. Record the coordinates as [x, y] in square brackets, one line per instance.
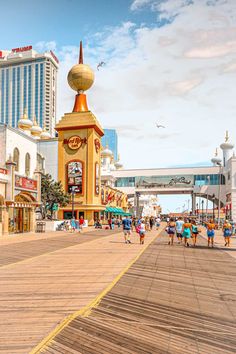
[159, 125]
[100, 65]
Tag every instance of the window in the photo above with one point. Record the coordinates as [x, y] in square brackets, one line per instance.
[16, 158]
[27, 164]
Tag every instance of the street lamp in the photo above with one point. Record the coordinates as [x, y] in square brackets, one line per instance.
[219, 192]
[208, 183]
[73, 189]
[202, 211]
[213, 201]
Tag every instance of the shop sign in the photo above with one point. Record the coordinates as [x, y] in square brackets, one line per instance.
[1, 54]
[75, 142]
[3, 171]
[25, 183]
[22, 49]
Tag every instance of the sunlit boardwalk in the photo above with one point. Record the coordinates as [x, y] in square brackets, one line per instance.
[172, 300]
[44, 280]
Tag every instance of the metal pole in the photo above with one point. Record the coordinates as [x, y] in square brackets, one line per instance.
[202, 211]
[219, 192]
[73, 200]
[213, 201]
[208, 183]
[137, 204]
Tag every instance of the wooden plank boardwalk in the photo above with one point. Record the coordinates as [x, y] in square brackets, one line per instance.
[19, 251]
[172, 300]
[44, 281]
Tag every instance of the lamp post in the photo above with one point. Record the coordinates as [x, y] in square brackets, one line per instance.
[213, 201]
[208, 183]
[73, 189]
[137, 204]
[202, 211]
[219, 192]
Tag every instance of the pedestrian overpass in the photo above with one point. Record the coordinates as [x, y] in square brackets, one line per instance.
[206, 182]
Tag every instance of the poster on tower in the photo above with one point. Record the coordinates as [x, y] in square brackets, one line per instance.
[75, 176]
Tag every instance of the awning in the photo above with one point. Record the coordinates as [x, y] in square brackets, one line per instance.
[117, 211]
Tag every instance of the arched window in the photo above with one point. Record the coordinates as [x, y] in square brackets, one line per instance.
[27, 164]
[16, 158]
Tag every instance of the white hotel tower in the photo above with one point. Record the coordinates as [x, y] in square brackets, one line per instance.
[28, 80]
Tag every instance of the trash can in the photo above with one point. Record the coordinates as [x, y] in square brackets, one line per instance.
[38, 227]
[43, 226]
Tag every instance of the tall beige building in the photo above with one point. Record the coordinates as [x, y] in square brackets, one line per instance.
[28, 80]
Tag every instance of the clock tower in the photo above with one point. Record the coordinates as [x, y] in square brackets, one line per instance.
[79, 150]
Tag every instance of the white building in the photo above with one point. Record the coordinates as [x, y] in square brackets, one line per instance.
[20, 180]
[28, 80]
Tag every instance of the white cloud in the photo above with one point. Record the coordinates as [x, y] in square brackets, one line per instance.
[177, 75]
[45, 46]
[138, 4]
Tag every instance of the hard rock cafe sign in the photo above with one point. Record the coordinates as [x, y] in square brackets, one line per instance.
[75, 142]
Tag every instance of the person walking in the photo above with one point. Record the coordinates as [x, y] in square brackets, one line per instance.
[195, 232]
[73, 224]
[109, 223]
[171, 231]
[113, 220]
[151, 223]
[210, 233]
[186, 232]
[158, 223]
[81, 223]
[142, 232]
[127, 224]
[227, 232]
[179, 227]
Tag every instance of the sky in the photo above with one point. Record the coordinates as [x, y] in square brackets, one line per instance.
[167, 61]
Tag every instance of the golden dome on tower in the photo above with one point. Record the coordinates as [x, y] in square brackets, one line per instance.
[36, 130]
[80, 76]
[25, 123]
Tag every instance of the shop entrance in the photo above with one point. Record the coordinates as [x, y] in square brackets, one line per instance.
[19, 220]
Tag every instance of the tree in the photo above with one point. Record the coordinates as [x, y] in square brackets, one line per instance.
[52, 194]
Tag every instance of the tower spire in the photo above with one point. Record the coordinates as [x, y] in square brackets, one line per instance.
[81, 59]
[226, 136]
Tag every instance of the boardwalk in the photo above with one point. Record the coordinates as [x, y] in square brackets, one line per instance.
[43, 280]
[172, 300]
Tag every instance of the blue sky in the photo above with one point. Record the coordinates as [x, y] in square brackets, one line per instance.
[63, 21]
[167, 61]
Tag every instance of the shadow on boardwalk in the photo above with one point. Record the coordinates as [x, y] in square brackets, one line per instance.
[172, 300]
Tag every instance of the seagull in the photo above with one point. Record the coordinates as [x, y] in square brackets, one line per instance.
[100, 65]
[159, 126]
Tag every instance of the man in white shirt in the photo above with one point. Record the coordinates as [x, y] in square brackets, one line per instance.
[179, 227]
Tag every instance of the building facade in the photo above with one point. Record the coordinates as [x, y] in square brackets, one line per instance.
[20, 180]
[28, 80]
[110, 138]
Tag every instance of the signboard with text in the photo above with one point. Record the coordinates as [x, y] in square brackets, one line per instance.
[22, 49]
[25, 183]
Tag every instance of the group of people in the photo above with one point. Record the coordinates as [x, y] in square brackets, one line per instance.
[187, 229]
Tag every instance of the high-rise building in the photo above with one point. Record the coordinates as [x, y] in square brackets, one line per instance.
[110, 138]
[28, 80]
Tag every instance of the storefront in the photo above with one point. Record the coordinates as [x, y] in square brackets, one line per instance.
[20, 218]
